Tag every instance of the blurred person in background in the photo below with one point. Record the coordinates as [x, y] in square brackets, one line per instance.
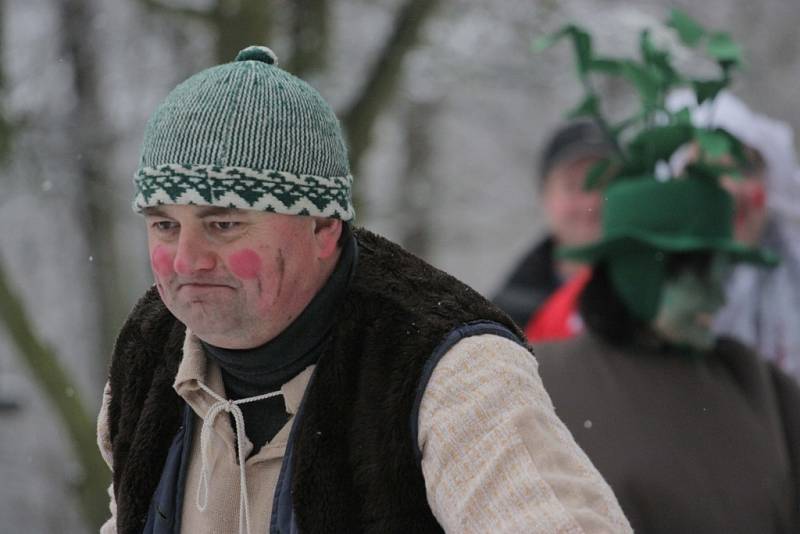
[289, 373]
[694, 432]
[572, 214]
[762, 305]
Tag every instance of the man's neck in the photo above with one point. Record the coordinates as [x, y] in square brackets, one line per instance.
[567, 269]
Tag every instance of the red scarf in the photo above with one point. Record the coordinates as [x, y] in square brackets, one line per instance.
[558, 317]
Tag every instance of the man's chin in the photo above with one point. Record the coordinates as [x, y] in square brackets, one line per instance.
[203, 315]
[208, 331]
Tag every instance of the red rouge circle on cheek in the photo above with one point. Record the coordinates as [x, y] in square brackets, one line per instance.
[245, 264]
[161, 260]
[758, 197]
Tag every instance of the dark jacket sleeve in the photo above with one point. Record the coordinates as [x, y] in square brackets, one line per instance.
[788, 394]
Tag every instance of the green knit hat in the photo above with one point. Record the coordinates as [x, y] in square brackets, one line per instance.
[644, 219]
[247, 135]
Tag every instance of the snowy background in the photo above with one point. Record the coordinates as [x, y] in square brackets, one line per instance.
[448, 171]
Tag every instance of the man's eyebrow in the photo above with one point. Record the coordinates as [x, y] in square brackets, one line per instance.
[202, 213]
[154, 211]
[215, 211]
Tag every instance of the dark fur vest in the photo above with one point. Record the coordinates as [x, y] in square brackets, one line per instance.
[354, 466]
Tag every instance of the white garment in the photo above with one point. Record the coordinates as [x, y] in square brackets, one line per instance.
[763, 305]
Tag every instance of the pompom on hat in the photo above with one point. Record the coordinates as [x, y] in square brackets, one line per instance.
[247, 135]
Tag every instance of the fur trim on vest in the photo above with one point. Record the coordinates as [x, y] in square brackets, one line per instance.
[354, 467]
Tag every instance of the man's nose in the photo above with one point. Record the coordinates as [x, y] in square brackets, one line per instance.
[193, 254]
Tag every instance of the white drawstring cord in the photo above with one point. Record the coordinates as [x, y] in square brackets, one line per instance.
[228, 406]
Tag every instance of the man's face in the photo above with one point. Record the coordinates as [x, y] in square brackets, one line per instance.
[689, 301]
[749, 195]
[237, 278]
[572, 212]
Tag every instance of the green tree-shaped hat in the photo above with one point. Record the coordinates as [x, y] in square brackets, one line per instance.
[678, 215]
[643, 220]
[646, 214]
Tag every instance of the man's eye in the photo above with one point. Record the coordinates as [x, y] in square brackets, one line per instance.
[225, 225]
[164, 226]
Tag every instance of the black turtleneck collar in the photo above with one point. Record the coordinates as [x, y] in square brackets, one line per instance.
[249, 372]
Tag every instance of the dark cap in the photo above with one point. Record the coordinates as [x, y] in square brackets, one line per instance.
[573, 141]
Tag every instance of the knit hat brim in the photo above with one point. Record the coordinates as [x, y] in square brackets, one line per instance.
[244, 188]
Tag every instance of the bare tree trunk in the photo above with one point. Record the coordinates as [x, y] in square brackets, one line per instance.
[93, 148]
[310, 37]
[235, 24]
[6, 137]
[40, 360]
[59, 389]
[53, 380]
[381, 82]
[418, 190]
[6, 129]
[240, 23]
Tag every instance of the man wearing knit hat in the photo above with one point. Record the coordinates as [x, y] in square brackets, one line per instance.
[289, 374]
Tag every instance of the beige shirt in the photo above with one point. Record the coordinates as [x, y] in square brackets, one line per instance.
[495, 456]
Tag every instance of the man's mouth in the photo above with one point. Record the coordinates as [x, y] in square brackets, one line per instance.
[202, 285]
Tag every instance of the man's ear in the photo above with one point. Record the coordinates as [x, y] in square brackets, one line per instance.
[326, 233]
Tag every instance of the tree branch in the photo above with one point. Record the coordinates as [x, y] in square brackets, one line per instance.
[310, 36]
[92, 139]
[6, 128]
[64, 398]
[382, 78]
[239, 23]
[155, 5]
